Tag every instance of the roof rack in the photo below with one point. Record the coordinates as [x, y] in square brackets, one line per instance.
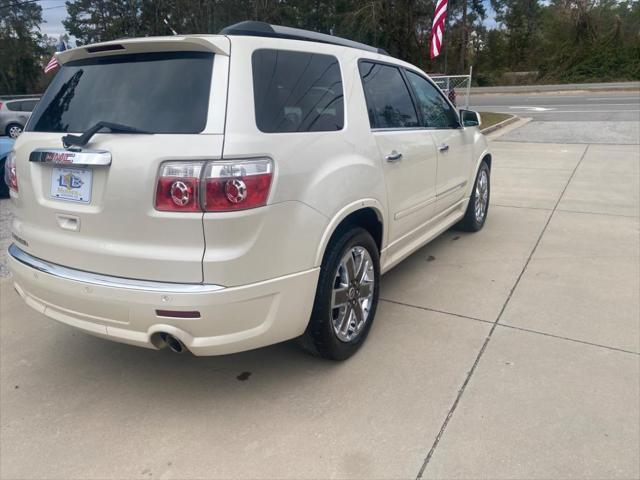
[262, 29]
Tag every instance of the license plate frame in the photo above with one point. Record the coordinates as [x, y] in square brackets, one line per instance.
[71, 184]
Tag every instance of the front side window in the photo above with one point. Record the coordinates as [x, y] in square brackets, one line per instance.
[436, 111]
[389, 103]
[163, 92]
[297, 92]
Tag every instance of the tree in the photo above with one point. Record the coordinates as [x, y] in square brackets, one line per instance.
[20, 46]
[561, 39]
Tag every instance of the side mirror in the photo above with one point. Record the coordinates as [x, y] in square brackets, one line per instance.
[469, 118]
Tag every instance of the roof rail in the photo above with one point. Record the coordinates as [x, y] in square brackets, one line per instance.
[262, 29]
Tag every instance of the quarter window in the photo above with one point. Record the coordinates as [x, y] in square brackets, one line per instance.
[436, 111]
[389, 103]
[297, 92]
[14, 106]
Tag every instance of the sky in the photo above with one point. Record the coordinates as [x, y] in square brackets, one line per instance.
[53, 12]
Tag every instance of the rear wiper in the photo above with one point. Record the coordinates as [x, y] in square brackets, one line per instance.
[81, 140]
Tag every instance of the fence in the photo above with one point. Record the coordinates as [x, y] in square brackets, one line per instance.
[456, 87]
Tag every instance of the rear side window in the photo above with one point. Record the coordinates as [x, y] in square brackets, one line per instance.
[166, 92]
[388, 99]
[14, 106]
[28, 105]
[297, 92]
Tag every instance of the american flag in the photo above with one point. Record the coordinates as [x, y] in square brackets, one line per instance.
[53, 63]
[437, 29]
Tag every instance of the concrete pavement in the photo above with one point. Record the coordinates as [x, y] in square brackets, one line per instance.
[510, 353]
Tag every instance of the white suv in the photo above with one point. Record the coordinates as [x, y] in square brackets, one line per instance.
[224, 192]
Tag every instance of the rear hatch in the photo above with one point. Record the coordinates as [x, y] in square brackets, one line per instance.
[93, 208]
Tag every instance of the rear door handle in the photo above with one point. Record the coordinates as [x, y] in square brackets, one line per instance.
[443, 148]
[393, 157]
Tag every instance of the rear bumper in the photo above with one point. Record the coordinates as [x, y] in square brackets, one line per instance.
[231, 319]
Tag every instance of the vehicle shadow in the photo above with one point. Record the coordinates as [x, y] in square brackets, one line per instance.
[121, 371]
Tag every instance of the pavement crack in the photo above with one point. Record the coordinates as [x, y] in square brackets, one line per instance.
[560, 337]
[435, 310]
[462, 389]
[564, 210]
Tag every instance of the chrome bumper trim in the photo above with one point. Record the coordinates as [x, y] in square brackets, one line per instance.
[107, 280]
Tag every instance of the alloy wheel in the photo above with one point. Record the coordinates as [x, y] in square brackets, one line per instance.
[482, 196]
[352, 294]
[15, 131]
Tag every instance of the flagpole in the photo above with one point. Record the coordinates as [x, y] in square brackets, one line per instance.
[446, 29]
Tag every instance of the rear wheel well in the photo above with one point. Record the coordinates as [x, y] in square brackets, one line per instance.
[487, 160]
[366, 218]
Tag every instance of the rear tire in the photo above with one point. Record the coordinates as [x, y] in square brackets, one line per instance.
[478, 207]
[13, 130]
[346, 297]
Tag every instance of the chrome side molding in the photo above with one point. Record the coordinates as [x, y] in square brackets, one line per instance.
[60, 156]
[107, 280]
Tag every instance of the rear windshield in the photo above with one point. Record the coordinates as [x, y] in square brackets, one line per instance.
[155, 92]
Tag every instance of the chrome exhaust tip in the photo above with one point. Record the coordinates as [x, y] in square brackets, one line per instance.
[174, 344]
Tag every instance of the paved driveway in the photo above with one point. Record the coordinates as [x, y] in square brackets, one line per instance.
[511, 353]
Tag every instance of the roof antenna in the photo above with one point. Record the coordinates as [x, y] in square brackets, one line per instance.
[166, 22]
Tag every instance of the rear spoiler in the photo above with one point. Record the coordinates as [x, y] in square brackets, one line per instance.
[218, 44]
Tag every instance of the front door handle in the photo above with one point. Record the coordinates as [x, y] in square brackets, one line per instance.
[393, 157]
[443, 148]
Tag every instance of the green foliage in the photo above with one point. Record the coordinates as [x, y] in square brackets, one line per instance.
[20, 46]
[591, 40]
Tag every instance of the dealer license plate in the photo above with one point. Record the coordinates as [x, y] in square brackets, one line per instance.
[71, 184]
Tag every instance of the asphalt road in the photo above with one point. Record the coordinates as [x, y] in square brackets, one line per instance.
[563, 106]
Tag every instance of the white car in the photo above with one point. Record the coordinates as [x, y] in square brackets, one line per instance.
[14, 114]
[219, 193]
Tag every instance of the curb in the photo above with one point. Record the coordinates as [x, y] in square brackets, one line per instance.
[500, 125]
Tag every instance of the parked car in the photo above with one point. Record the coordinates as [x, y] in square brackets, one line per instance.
[6, 144]
[14, 115]
[255, 194]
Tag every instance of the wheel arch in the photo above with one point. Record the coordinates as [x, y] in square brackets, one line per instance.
[366, 213]
[486, 157]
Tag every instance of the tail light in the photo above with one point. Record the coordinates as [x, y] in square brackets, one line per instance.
[178, 187]
[10, 174]
[226, 185]
[237, 185]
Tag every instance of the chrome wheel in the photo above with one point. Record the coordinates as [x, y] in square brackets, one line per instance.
[15, 131]
[352, 295]
[482, 195]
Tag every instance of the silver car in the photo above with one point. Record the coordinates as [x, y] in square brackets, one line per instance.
[14, 115]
